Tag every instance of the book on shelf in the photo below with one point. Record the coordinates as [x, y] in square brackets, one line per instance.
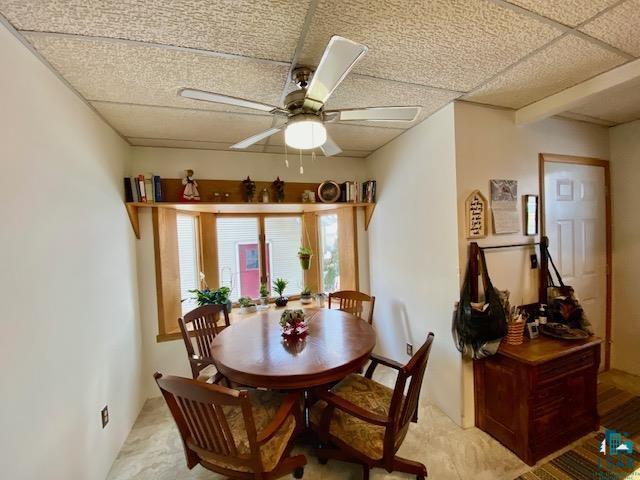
[143, 188]
[157, 188]
[148, 187]
[128, 194]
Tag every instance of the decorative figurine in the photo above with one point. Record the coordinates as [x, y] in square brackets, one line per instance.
[249, 189]
[264, 195]
[278, 186]
[190, 191]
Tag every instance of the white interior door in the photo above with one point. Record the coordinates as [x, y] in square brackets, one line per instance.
[576, 224]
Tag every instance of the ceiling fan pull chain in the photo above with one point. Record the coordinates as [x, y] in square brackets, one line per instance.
[301, 167]
[286, 156]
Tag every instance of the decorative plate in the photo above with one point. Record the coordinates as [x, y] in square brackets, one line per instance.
[329, 191]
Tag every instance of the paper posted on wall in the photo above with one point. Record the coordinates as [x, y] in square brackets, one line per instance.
[504, 205]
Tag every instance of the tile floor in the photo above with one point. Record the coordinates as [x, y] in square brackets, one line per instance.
[153, 450]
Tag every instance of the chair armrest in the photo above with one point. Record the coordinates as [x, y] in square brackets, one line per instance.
[288, 406]
[379, 359]
[352, 409]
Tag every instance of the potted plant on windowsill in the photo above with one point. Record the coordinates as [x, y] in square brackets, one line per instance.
[279, 285]
[305, 254]
[246, 305]
[264, 294]
[305, 296]
[215, 297]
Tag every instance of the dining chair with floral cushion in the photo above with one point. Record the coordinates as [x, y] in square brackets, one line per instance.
[242, 434]
[362, 421]
[353, 302]
[204, 322]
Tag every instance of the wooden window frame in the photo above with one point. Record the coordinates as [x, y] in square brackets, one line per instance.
[168, 268]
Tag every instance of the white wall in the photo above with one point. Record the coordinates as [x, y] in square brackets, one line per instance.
[170, 356]
[413, 253]
[625, 178]
[490, 146]
[70, 328]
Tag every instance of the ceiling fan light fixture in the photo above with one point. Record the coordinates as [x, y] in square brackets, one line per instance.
[305, 132]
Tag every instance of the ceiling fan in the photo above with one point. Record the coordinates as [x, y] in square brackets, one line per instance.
[304, 114]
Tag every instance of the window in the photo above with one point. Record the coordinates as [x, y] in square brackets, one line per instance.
[187, 259]
[283, 236]
[329, 255]
[239, 256]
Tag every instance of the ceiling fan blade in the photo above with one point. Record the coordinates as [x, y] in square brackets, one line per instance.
[226, 99]
[376, 114]
[337, 61]
[330, 148]
[247, 142]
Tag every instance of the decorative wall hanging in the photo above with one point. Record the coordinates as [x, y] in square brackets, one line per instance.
[530, 214]
[476, 215]
[504, 196]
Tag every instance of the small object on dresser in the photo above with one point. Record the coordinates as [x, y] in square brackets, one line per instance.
[533, 329]
[264, 196]
[249, 187]
[278, 187]
[190, 188]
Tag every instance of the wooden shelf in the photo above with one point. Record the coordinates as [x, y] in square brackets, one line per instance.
[244, 208]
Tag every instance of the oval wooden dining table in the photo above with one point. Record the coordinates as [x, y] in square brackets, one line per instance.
[253, 351]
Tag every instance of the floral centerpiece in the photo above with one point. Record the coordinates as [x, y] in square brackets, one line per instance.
[293, 323]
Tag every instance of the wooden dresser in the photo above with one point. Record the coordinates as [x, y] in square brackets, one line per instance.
[538, 397]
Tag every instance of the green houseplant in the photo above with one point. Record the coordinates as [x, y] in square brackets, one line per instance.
[264, 294]
[247, 305]
[305, 254]
[279, 286]
[207, 296]
[305, 296]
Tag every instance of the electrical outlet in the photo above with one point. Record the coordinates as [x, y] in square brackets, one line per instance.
[105, 416]
[409, 349]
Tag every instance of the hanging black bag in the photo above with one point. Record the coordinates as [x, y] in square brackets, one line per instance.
[473, 327]
[564, 306]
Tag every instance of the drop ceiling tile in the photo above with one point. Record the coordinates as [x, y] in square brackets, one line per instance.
[618, 27]
[169, 143]
[266, 29]
[568, 12]
[129, 73]
[351, 137]
[359, 91]
[449, 44]
[177, 124]
[565, 63]
[619, 104]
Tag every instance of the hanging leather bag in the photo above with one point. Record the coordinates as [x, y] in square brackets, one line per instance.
[564, 306]
[474, 328]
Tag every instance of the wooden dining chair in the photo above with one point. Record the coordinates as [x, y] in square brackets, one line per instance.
[240, 434]
[352, 301]
[204, 327]
[360, 420]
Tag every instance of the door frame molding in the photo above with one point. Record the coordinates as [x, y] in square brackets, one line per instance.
[593, 162]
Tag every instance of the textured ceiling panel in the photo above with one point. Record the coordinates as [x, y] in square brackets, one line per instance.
[619, 27]
[619, 104]
[442, 43]
[568, 12]
[118, 72]
[567, 62]
[169, 143]
[173, 123]
[266, 29]
[352, 137]
[357, 91]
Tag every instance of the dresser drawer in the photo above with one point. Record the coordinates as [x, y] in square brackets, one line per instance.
[565, 365]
